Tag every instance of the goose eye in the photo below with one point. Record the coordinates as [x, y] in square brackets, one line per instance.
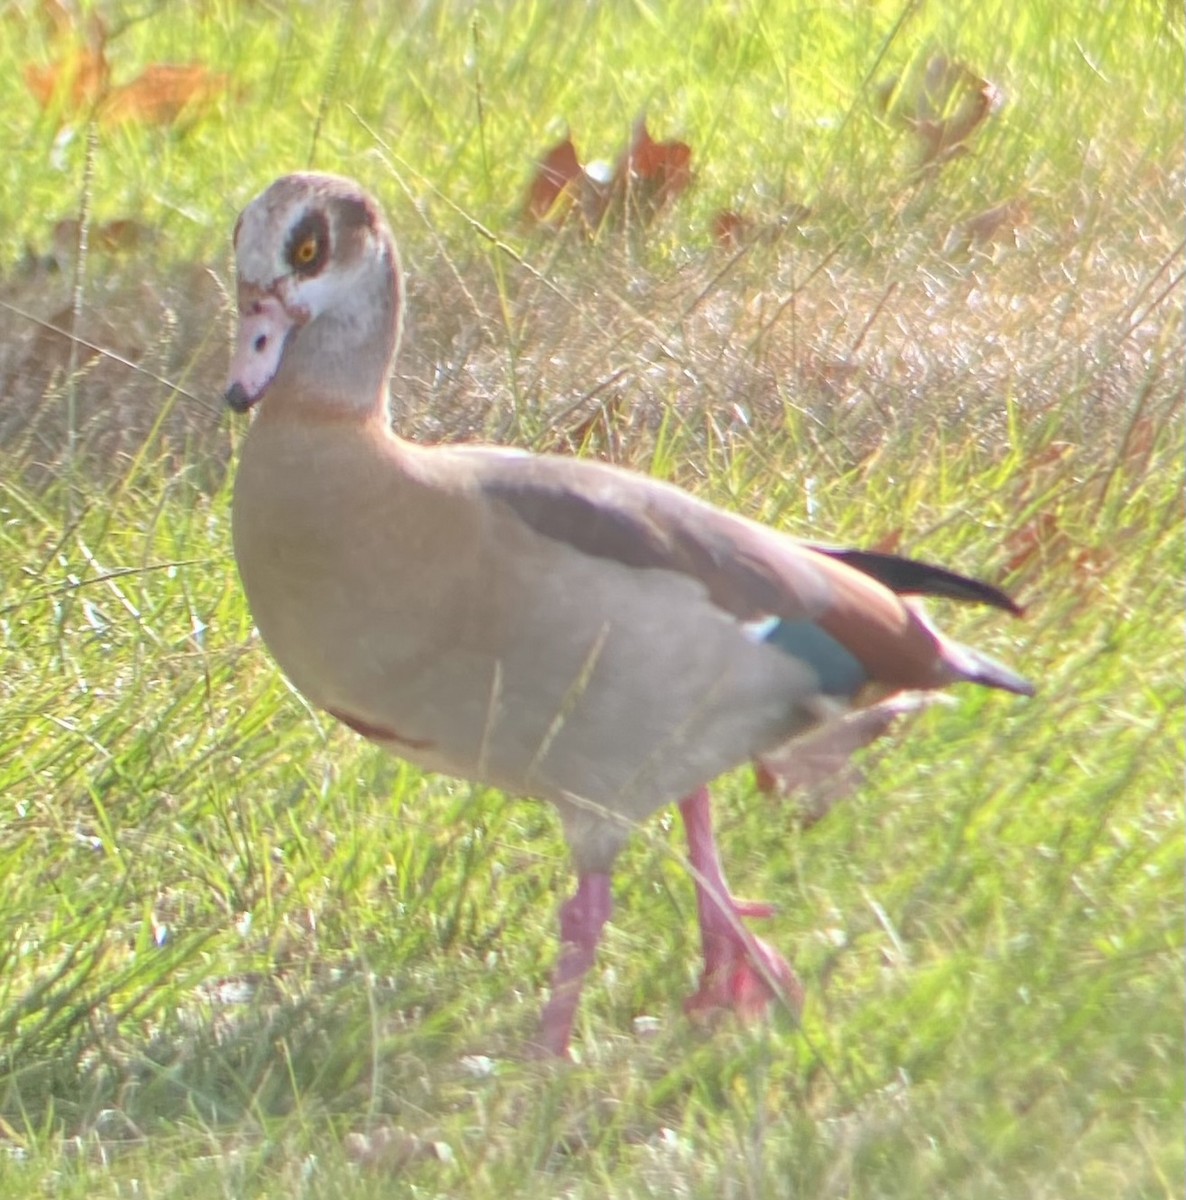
[308, 246]
[305, 253]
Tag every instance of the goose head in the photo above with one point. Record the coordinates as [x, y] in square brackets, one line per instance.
[319, 298]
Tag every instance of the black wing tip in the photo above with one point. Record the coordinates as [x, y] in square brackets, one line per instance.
[987, 593]
[912, 577]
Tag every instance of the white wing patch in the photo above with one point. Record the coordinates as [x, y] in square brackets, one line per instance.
[760, 628]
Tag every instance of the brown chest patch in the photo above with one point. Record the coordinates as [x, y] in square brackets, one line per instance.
[378, 733]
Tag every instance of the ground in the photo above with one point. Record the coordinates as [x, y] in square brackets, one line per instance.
[245, 954]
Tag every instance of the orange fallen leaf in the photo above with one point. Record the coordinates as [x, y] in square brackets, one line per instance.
[650, 174]
[553, 182]
[74, 82]
[562, 186]
[164, 92]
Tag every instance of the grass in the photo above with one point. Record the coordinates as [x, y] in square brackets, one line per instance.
[244, 954]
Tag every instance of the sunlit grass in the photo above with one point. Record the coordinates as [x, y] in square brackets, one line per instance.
[244, 954]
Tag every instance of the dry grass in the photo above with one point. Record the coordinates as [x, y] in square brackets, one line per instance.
[561, 345]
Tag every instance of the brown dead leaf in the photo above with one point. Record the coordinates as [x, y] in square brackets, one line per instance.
[1038, 539]
[49, 354]
[1045, 543]
[1040, 471]
[122, 234]
[56, 19]
[163, 93]
[61, 23]
[1138, 444]
[1093, 561]
[889, 543]
[1053, 454]
[943, 106]
[79, 78]
[650, 174]
[600, 433]
[111, 236]
[955, 101]
[647, 177]
[73, 83]
[555, 185]
[1000, 225]
[562, 186]
[730, 229]
[833, 375]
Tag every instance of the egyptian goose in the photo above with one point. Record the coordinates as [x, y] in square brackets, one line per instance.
[551, 627]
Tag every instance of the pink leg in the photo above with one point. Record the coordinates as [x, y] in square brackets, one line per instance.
[581, 920]
[741, 972]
